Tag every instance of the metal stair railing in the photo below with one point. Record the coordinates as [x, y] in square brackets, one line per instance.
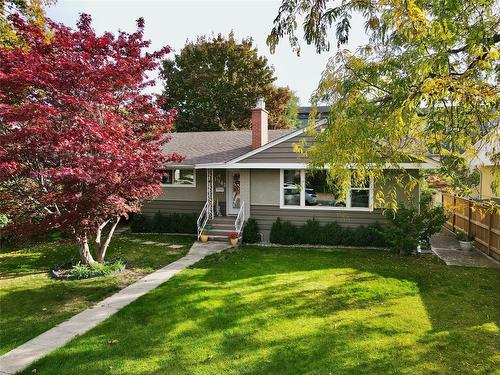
[202, 220]
[240, 219]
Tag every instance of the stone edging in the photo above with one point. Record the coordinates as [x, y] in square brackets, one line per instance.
[269, 244]
[166, 234]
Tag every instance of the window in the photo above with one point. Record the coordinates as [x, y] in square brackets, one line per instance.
[313, 190]
[320, 193]
[178, 177]
[360, 193]
[291, 187]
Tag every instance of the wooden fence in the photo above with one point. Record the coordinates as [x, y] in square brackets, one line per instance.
[476, 218]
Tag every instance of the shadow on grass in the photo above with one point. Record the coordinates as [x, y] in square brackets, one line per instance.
[26, 312]
[31, 302]
[286, 311]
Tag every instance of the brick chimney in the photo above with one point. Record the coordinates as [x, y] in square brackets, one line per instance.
[259, 125]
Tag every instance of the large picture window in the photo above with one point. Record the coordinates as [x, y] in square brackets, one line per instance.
[320, 193]
[178, 177]
[313, 190]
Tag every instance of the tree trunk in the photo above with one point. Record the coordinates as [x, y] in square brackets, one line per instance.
[85, 255]
[101, 250]
[98, 236]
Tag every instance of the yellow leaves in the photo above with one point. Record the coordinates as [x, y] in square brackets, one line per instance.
[409, 19]
[493, 53]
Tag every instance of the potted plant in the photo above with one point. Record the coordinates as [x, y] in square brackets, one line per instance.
[234, 238]
[205, 233]
[465, 240]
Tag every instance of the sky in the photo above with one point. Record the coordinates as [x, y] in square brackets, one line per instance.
[173, 22]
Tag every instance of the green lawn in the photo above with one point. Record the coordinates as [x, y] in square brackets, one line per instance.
[32, 302]
[300, 311]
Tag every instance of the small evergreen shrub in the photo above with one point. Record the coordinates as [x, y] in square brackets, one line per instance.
[275, 235]
[141, 224]
[251, 231]
[330, 234]
[164, 223]
[311, 233]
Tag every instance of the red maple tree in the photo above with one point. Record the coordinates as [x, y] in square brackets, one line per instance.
[80, 142]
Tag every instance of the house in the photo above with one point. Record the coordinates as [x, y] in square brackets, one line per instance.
[485, 149]
[303, 113]
[229, 176]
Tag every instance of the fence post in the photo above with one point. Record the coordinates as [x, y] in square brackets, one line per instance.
[490, 216]
[454, 209]
[469, 214]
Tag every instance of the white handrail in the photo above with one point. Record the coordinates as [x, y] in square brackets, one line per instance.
[202, 220]
[240, 219]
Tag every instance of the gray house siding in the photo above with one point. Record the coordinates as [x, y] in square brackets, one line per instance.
[280, 153]
[167, 207]
[186, 199]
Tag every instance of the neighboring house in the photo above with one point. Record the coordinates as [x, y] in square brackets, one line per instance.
[256, 173]
[303, 113]
[484, 163]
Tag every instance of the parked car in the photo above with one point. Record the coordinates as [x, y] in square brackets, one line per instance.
[311, 199]
[292, 195]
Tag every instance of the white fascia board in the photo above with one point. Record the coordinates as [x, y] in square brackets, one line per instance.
[210, 166]
[423, 165]
[179, 166]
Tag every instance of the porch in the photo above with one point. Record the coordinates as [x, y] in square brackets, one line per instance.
[221, 217]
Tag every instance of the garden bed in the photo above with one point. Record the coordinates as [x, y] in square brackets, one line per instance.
[78, 271]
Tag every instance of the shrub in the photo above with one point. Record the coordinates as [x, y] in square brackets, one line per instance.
[331, 234]
[371, 235]
[251, 231]
[310, 233]
[408, 227]
[85, 271]
[289, 233]
[275, 235]
[461, 236]
[141, 224]
[164, 223]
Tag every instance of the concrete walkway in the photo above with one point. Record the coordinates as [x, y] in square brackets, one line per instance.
[445, 245]
[21, 357]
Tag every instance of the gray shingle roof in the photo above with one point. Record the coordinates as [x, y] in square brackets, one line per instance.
[214, 146]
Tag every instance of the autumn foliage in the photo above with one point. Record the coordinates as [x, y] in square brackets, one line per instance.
[80, 143]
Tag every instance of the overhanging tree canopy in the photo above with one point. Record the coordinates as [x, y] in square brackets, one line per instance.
[427, 82]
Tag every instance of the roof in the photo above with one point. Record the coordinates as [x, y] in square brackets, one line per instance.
[214, 146]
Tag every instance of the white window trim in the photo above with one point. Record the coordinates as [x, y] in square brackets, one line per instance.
[322, 208]
[172, 185]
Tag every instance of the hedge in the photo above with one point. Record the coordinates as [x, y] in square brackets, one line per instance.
[164, 223]
[251, 231]
[331, 234]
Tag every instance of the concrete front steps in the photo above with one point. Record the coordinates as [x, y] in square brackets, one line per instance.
[221, 226]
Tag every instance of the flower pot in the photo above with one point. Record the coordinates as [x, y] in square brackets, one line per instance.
[204, 238]
[234, 241]
[465, 245]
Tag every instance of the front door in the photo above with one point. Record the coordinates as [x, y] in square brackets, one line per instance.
[233, 201]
